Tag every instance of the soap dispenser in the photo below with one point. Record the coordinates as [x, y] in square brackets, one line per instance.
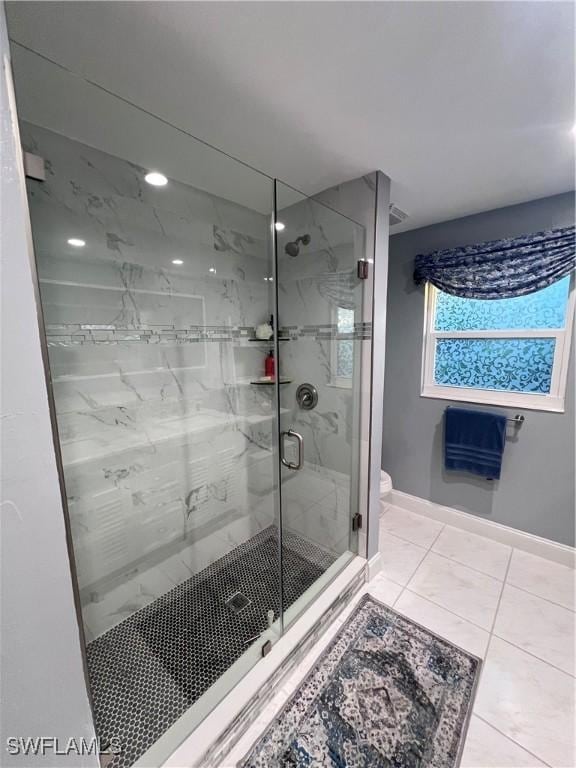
[270, 365]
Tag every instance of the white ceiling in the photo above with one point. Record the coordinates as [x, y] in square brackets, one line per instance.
[467, 106]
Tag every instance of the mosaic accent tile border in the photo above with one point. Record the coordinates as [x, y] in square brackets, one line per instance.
[385, 692]
[69, 334]
[361, 332]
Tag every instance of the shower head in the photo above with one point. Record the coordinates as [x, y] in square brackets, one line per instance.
[293, 248]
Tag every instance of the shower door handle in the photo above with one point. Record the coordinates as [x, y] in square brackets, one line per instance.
[300, 441]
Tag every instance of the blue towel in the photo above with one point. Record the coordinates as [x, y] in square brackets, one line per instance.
[474, 441]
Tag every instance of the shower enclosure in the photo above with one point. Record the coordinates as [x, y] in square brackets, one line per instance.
[207, 503]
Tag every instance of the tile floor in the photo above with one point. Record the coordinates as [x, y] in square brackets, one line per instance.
[513, 609]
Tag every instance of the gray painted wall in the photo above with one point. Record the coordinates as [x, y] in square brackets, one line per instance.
[536, 490]
[42, 679]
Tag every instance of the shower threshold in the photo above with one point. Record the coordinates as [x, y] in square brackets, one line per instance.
[148, 670]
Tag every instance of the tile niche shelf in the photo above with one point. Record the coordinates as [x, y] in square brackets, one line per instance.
[270, 382]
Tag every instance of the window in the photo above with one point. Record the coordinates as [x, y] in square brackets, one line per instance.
[503, 351]
[343, 349]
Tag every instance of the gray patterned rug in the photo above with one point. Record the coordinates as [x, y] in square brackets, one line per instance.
[386, 693]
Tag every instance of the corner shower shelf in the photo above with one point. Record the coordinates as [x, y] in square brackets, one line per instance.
[269, 382]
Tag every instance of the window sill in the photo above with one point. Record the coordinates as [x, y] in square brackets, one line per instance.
[501, 399]
[345, 384]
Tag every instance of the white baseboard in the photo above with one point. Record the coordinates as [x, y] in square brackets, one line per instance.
[536, 545]
[374, 566]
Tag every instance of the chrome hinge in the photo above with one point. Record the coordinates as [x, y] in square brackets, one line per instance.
[34, 167]
[357, 522]
[362, 271]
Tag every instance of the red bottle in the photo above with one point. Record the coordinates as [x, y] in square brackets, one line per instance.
[270, 365]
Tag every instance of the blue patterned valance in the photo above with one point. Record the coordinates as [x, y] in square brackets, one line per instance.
[500, 269]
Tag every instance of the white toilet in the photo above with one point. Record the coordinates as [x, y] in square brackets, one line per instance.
[385, 486]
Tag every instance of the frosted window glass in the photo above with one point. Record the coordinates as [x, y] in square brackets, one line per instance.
[345, 349]
[512, 365]
[543, 309]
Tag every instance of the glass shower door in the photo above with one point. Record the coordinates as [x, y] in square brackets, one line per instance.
[153, 286]
[158, 280]
[319, 350]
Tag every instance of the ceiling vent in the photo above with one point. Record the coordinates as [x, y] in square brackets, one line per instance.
[397, 215]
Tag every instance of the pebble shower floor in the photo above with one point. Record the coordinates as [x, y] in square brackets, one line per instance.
[149, 669]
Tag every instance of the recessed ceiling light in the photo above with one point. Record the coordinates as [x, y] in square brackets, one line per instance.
[156, 179]
[574, 129]
[212, 269]
[177, 261]
[76, 242]
[279, 226]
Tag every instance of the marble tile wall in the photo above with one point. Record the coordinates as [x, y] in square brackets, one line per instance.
[163, 437]
[366, 200]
